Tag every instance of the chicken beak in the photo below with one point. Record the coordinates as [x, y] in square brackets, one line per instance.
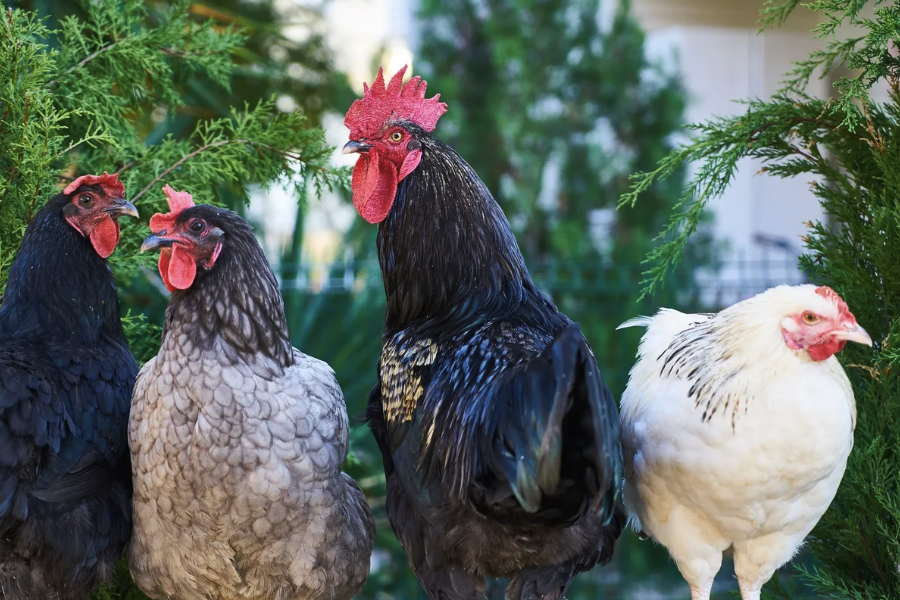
[353, 147]
[122, 208]
[852, 332]
[155, 242]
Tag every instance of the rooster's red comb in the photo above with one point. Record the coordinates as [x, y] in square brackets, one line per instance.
[379, 103]
[830, 294]
[111, 182]
[178, 201]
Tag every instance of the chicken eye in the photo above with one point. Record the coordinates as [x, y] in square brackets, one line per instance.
[809, 318]
[396, 137]
[86, 200]
[197, 226]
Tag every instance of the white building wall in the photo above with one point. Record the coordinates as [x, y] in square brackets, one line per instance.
[723, 58]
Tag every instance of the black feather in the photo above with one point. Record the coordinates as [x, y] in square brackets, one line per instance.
[66, 376]
[500, 440]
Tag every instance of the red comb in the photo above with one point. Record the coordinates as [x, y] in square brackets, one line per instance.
[178, 201]
[367, 115]
[106, 180]
[830, 294]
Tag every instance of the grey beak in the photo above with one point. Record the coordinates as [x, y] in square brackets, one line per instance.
[854, 334]
[353, 147]
[155, 242]
[123, 208]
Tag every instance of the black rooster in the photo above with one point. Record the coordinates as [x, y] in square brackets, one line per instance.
[500, 440]
[66, 376]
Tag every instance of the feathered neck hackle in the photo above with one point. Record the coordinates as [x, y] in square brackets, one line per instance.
[448, 256]
[728, 354]
[58, 285]
[235, 307]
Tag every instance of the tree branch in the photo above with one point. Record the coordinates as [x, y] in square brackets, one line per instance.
[180, 162]
[286, 153]
[126, 166]
[86, 60]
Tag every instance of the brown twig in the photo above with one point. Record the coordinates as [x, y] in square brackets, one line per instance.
[180, 162]
[86, 60]
[797, 150]
[286, 153]
[126, 167]
[187, 53]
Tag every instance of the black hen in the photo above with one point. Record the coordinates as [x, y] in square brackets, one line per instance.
[500, 439]
[66, 376]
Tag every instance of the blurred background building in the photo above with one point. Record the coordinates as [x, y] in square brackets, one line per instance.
[715, 50]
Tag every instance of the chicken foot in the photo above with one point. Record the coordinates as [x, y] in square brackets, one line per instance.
[747, 591]
[701, 593]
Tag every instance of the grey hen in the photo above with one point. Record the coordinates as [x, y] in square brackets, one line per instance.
[237, 439]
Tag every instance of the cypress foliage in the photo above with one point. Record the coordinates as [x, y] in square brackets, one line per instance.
[76, 100]
[849, 147]
[83, 98]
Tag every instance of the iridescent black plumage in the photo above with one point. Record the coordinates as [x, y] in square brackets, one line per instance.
[66, 376]
[499, 437]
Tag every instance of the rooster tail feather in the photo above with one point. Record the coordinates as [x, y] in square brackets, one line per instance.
[531, 396]
[563, 354]
[556, 426]
[553, 446]
[605, 453]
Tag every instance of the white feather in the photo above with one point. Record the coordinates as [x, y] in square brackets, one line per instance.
[755, 478]
[636, 322]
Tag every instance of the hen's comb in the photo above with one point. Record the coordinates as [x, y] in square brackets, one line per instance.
[178, 201]
[380, 103]
[106, 180]
[830, 294]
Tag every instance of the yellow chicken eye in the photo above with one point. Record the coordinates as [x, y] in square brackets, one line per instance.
[396, 136]
[810, 318]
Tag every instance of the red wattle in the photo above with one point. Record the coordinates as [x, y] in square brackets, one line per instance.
[826, 350]
[177, 268]
[374, 186]
[105, 236]
[182, 268]
[165, 257]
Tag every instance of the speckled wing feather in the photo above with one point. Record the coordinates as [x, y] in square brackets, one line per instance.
[238, 487]
[698, 348]
[404, 370]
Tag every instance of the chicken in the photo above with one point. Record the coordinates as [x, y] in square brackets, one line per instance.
[499, 438]
[736, 429]
[66, 375]
[237, 439]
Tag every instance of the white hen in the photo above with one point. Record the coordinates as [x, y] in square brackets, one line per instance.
[736, 429]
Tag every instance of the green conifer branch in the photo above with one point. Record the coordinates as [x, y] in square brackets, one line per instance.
[59, 114]
[849, 147]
